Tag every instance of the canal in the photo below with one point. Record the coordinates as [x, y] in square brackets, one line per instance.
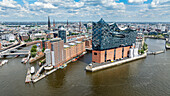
[145, 77]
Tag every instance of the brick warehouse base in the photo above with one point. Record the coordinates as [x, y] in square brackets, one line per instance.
[110, 54]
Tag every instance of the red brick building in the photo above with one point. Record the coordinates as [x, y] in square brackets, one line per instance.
[110, 54]
[62, 53]
[98, 56]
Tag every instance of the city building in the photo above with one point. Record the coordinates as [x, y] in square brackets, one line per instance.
[10, 37]
[62, 52]
[57, 52]
[111, 43]
[48, 56]
[23, 36]
[139, 41]
[49, 24]
[62, 34]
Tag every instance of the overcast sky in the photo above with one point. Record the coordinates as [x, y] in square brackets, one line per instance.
[86, 10]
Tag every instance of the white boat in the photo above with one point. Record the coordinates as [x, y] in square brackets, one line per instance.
[4, 62]
[0, 64]
[48, 67]
[32, 70]
[23, 60]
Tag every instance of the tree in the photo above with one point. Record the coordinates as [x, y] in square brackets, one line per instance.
[33, 50]
[142, 51]
[34, 46]
[33, 54]
[43, 49]
[145, 46]
[42, 38]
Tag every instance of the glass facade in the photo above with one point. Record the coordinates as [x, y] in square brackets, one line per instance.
[107, 36]
[62, 35]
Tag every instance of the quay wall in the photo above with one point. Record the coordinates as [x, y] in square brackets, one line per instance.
[104, 66]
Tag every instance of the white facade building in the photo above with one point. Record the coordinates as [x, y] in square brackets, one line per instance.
[48, 56]
[131, 53]
[135, 52]
[10, 37]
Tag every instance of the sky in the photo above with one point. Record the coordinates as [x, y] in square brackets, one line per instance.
[85, 10]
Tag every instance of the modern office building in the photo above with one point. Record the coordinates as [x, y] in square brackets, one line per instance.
[62, 34]
[110, 43]
[49, 24]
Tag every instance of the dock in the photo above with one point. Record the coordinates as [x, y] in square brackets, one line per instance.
[39, 78]
[155, 53]
[28, 77]
[98, 66]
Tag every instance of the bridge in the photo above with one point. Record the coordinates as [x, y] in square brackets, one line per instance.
[6, 54]
[20, 52]
[14, 49]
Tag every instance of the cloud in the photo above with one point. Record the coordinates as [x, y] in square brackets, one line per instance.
[9, 3]
[113, 4]
[136, 1]
[43, 5]
[156, 3]
[110, 10]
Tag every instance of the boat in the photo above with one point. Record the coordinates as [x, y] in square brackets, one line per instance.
[75, 59]
[32, 70]
[48, 67]
[24, 60]
[63, 66]
[3, 62]
[16, 56]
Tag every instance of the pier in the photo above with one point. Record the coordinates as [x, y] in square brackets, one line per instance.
[151, 37]
[98, 66]
[155, 53]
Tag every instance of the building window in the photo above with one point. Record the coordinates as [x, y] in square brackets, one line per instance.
[95, 53]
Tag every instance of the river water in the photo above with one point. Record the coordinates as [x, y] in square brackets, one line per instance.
[146, 77]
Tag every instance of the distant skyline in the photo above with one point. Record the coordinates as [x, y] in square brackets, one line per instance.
[85, 10]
